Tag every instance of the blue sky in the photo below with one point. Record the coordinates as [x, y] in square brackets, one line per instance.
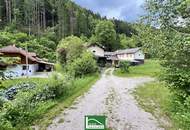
[128, 10]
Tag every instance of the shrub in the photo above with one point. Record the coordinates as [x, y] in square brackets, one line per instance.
[12, 91]
[28, 105]
[61, 56]
[58, 68]
[83, 65]
[4, 39]
[5, 124]
[47, 43]
[124, 66]
[2, 101]
[17, 111]
[60, 85]
[71, 48]
[177, 74]
[179, 111]
[21, 37]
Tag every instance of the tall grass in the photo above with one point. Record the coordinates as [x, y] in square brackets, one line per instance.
[156, 99]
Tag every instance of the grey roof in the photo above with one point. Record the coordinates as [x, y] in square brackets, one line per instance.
[109, 53]
[129, 51]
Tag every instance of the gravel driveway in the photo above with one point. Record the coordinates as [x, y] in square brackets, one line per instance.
[110, 96]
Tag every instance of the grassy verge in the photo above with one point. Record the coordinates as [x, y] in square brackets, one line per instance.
[155, 98]
[8, 83]
[80, 87]
[149, 68]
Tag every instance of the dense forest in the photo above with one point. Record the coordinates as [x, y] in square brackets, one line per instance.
[65, 17]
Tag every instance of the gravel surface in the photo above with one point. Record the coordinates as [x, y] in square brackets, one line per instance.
[110, 96]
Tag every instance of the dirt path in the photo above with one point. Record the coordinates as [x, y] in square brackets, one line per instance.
[110, 96]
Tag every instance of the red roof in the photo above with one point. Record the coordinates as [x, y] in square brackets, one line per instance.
[30, 55]
[14, 49]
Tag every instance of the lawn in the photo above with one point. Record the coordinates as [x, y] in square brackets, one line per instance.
[81, 86]
[156, 98]
[149, 68]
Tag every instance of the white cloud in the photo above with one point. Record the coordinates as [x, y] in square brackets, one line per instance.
[129, 10]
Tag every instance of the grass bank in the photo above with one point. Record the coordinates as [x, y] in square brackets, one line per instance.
[81, 86]
[149, 68]
[156, 99]
[8, 83]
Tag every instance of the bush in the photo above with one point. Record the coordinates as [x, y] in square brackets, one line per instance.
[12, 91]
[75, 60]
[5, 124]
[177, 74]
[29, 105]
[83, 65]
[179, 111]
[69, 49]
[4, 39]
[124, 66]
[21, 37]
[60, 85]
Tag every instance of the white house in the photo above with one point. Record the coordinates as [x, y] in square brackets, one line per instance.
[96, 50]
[133, 55]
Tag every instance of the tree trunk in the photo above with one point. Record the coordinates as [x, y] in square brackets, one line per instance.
[44, 16]
[8, 10]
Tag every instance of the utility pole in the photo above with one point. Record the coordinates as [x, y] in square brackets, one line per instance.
[27, 67]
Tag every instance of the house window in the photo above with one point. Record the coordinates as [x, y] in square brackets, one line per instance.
[129, 55]
[24, 67]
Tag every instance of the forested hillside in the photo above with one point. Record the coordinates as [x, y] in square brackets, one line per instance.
[66, 18]
[40, 24]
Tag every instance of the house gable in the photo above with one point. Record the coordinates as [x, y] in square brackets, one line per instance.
[96, 50]
[139, 55]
